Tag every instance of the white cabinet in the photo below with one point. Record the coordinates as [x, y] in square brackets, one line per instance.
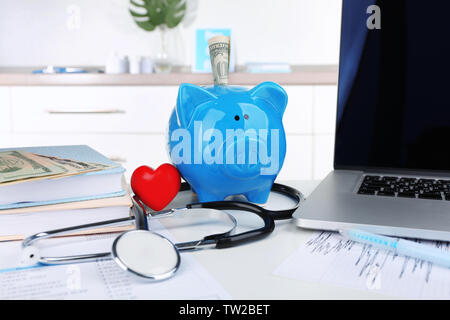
[297, 118]
[5, 140]
[310, 124]
[325, 106]
[298, 161]
[5, 111]
[5, 118]
[92, 109]
[323, 154]
[324, 126]
[128, 123]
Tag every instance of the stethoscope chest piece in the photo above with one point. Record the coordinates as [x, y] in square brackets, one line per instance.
[146, 254]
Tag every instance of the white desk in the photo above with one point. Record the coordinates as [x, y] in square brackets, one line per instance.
[246, 271]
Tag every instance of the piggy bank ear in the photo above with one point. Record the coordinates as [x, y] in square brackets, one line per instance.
[272, 93]
[190, 97]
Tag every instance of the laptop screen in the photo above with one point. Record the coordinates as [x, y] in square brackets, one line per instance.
[394, 85]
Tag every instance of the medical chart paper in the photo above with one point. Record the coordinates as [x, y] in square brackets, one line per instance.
[328, 258]
[98, 280]
[105, 280]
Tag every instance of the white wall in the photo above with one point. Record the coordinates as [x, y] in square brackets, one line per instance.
[35, 32]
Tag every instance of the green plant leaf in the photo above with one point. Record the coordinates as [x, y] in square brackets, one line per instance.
[137, 15]
[147, 26]
[158, 12]
[176, 9]
[134, 3]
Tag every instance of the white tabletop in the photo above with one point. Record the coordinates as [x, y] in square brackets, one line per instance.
[246, 272]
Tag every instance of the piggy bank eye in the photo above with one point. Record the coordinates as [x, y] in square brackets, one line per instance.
[236, 117]
[246, 116]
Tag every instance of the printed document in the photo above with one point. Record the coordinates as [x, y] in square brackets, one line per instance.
[102, 279]
[330, 259]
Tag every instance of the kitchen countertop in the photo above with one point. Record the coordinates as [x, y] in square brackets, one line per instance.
[300, 75]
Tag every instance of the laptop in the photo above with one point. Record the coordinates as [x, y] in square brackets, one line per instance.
[392, 144]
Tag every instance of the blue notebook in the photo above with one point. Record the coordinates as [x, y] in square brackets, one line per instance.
[87, 186]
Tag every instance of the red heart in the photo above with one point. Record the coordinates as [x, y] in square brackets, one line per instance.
[156, 188]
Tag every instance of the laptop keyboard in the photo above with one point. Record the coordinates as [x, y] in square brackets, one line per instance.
[385, 186]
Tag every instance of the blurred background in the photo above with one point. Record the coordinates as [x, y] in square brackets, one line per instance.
[84, 72]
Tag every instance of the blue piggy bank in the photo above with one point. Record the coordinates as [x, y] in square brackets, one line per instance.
[229, 140]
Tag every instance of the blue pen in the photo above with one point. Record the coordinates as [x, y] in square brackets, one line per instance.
[401, 246]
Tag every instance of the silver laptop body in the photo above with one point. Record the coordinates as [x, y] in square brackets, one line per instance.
[335, 205]
[392, 145]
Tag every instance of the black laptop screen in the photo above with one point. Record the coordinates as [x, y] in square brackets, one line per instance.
[394, 85]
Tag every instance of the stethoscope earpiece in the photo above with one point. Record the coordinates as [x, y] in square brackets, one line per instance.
[29, 256]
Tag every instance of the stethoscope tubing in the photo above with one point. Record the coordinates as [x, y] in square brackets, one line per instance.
[285, 190]
[229, 241]
[268, 216]
[219, 241]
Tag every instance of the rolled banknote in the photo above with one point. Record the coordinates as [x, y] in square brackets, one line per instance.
[219, 51]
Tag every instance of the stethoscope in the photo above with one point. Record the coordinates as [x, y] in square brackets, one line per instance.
[150, 255]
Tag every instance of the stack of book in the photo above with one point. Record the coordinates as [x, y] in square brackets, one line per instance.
[46, 188]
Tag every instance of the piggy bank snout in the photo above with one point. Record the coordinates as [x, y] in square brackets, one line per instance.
[242, 158]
